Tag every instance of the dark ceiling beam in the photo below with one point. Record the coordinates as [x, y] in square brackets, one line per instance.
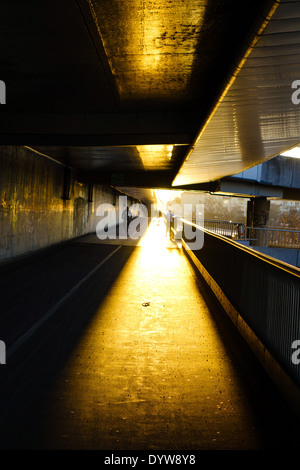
[209, 187]
[101, 140]
[84, 8]
[97, 128]
[143, 179]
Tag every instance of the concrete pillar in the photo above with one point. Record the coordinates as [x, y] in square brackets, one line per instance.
[258, 211]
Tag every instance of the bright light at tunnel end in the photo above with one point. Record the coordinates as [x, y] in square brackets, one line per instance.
[132, 222]
[292, 153]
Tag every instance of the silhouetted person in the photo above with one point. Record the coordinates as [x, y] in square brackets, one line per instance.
[170, 222]
[127, 216]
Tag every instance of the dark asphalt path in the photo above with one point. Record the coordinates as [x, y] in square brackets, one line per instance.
[30, 286]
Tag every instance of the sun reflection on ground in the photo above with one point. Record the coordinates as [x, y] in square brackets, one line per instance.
[155, 236]
[156, 246]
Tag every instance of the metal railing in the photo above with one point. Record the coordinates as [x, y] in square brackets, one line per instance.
[265, 292]
[273, 237]
[234, 230]
[229, 229]
[265, 237]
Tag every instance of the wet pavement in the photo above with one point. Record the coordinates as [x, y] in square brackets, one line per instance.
[140, 357]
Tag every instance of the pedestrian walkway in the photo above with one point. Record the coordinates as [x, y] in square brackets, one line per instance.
[152, 371]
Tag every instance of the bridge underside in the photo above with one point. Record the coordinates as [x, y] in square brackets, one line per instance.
[151, 94]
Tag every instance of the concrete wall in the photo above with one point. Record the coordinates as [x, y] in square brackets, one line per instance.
[33, 213]
[279, 171]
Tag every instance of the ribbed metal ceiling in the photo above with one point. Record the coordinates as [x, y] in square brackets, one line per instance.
[255, 119]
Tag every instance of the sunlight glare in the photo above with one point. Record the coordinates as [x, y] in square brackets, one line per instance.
[293, 153]
[156, 243]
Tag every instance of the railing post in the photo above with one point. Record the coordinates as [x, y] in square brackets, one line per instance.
[2, 352]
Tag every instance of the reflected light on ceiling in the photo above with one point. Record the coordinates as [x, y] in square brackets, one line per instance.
[152, 155]
[151, 46]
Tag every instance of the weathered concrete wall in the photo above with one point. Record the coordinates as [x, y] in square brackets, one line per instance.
[279, 171]
[33, 213]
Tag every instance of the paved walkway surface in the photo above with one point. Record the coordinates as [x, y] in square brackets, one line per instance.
[156, 366]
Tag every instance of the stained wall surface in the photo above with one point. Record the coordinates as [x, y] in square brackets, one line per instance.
[33, 212]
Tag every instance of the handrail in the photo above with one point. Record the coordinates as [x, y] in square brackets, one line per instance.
[265, 292]
[274, 237]
[262, 256]
[274, 229]
[258, 236]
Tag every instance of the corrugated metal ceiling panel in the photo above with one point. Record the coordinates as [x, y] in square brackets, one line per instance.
[256, 118]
